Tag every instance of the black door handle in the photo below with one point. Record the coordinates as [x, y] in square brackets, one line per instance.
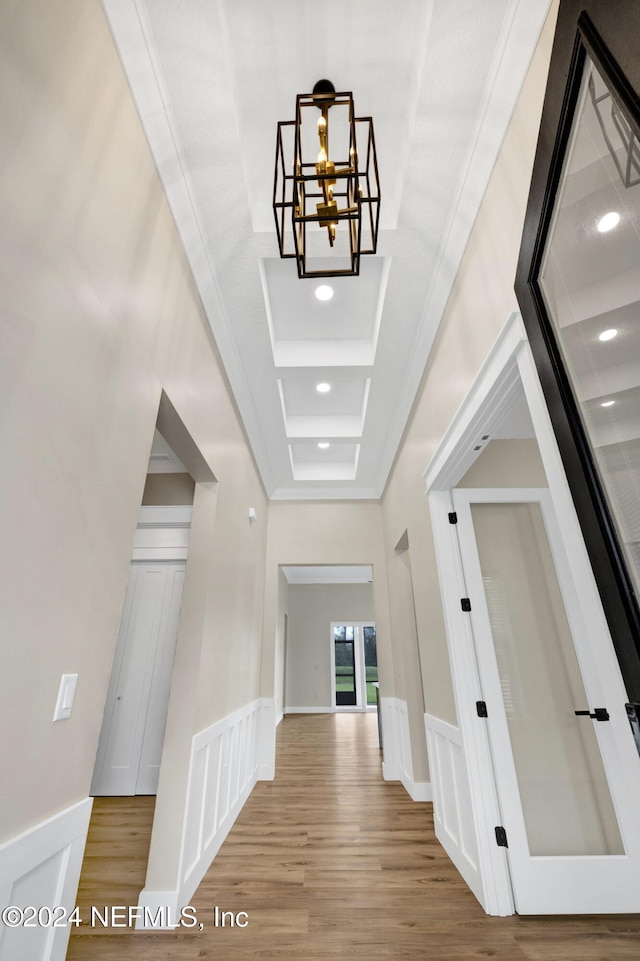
[600, 714]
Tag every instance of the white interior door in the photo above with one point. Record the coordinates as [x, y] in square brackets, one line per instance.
[566, 806]
[130, 747]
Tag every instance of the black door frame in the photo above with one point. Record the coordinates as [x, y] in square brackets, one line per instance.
[347, 698]
[609, 31]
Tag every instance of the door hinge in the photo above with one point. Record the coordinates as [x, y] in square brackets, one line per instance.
[481, 708]
[453, 517]
[465, 603]
[501, 837]
[599, 713]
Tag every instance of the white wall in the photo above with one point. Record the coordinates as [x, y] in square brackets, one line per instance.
[312, 607]
[325, 532]
[99, 315]
[337, 532]
[167, 489]
[507, 463]
[480, 302]
[406, 658]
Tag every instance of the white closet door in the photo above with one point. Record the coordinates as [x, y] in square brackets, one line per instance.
[132, 733]
[158, 702]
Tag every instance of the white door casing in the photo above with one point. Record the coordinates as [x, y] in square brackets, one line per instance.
[509, 367]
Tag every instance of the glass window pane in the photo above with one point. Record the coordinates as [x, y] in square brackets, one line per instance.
[344, 654]
[590, 281]
[370, 661]
[565, 797]
[345, 673]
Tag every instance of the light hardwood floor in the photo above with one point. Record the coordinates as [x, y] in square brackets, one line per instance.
[328, 861]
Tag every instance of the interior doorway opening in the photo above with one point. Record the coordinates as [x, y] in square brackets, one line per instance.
[133, 727]
[177, 476]
[328, 603]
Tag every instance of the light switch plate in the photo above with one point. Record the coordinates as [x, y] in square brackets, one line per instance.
[65, 697]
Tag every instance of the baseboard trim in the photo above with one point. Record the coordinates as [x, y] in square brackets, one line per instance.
[42, 867]
[471, 877]
[398, 763]
[309, 710]
[453, 818]
[417, 790]
[389, 772]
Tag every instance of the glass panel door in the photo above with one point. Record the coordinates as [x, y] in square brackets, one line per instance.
[590, 282]
[563, 789]
[578, 287]
[345, 665]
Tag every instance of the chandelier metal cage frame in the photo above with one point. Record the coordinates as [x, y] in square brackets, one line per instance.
[330, 193]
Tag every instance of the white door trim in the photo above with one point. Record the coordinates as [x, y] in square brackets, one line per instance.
[509, 364]
[495, 892]
[162, 534]
[165, 516]
[486, 403]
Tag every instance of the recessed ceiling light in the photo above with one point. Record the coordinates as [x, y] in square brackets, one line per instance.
[608, 222]
[607, 403]
[324, 444]
[323, 388]
[325, 292]
[608, 334]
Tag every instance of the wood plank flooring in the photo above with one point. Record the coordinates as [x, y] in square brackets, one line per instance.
[328, 861]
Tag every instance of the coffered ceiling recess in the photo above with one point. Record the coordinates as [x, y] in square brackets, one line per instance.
[211, 80]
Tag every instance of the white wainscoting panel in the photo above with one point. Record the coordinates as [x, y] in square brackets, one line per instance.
[267, 740]
[452, 810]
[396, 741]
[226, 761]
[42, 867]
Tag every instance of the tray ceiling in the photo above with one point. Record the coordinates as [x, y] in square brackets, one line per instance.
[211, 80]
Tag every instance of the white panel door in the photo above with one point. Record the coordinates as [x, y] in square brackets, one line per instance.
[565, 799]
[128, 759]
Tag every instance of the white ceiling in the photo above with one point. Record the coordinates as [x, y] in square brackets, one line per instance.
[163, 459]
[211, 80]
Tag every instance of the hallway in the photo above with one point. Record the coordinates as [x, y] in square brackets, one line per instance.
[329, 861]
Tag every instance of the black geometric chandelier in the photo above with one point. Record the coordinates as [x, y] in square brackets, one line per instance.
[326, 180]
